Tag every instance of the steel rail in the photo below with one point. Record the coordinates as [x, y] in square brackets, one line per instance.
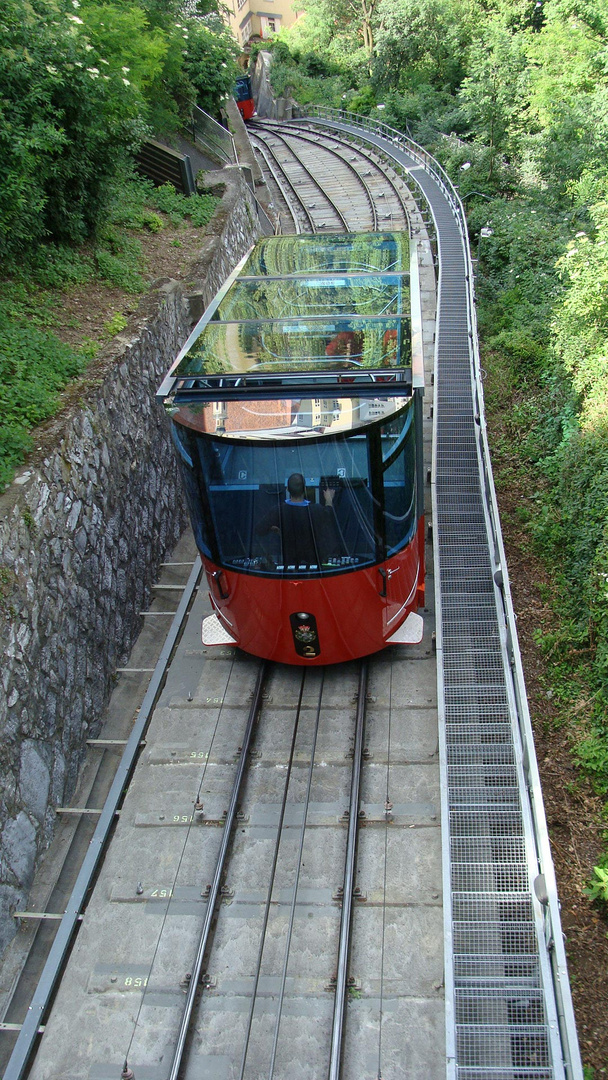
[385, 144]
[273, 871]
[349, 882]
[294, 899]
[24, 1046]
[369, 159]
[334, 208]
[349, 165]
[261, 149]
[217, 878]
[295, 196]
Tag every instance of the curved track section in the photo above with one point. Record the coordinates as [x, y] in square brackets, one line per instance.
[313, 205]
[359, 193]
[508, 1004]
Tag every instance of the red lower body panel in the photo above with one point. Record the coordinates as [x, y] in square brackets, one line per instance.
[323, 620]
[246, 108]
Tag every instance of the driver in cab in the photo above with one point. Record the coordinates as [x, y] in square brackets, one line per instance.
[307, 530]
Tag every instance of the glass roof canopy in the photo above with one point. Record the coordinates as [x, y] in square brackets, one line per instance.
[308, 315]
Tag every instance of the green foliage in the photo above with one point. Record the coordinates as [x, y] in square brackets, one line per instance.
[67, 127]
[363, 101]
[199, 208]
[114, 326]
[118, 260]
[210, 61]
[55, 266]
[34, 365]
[494, 91]
[568, 89]
[34, 368]
[290, 74]
[81, 83]
[519, 282]
[339, 31]
[422, 43]
[598, 886]
[144, 43]
[582, 322]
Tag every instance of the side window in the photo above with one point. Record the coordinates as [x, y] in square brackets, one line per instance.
[399, 481]
[185, 446]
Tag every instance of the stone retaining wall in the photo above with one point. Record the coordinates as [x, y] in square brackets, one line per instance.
[83, 530]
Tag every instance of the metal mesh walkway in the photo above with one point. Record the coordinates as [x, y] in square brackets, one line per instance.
[509, 1012]
[504, 1020]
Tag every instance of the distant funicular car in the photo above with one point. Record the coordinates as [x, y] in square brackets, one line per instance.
[244, 97]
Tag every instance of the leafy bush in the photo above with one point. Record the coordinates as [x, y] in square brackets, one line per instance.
[118, 259]
[598, 886]
[34, 368]
[114, 326]
[67, 127]
[210, 61]
[288, 79]
[34, 365]
[199, 208]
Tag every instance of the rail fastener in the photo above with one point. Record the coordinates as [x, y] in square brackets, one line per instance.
[5, 1026]
[45, 916]
[127, 671]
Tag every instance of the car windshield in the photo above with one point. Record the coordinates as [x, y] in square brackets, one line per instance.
[305, 507]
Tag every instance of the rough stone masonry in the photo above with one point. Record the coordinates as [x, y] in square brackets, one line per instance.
[82, 534]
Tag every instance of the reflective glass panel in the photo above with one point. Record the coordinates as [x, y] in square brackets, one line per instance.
[287, 418]
[299, 345]
[399, 480]
[305, 254]
[283, 298]
[250, 513]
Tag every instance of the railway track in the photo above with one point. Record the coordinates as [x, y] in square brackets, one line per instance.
[330, 184]
[225, 937]
[155, 971]
[240, 919]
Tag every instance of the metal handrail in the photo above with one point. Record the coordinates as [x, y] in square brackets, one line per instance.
[213, 136]
[550, 902]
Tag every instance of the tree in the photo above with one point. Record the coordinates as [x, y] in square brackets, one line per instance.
[569, 89]
[581, 323]
[67, 123]
[494, 94]
[350, 25]
[422, 42]
[210, 61]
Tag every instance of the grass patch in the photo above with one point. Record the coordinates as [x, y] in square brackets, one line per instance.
[35, 366]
